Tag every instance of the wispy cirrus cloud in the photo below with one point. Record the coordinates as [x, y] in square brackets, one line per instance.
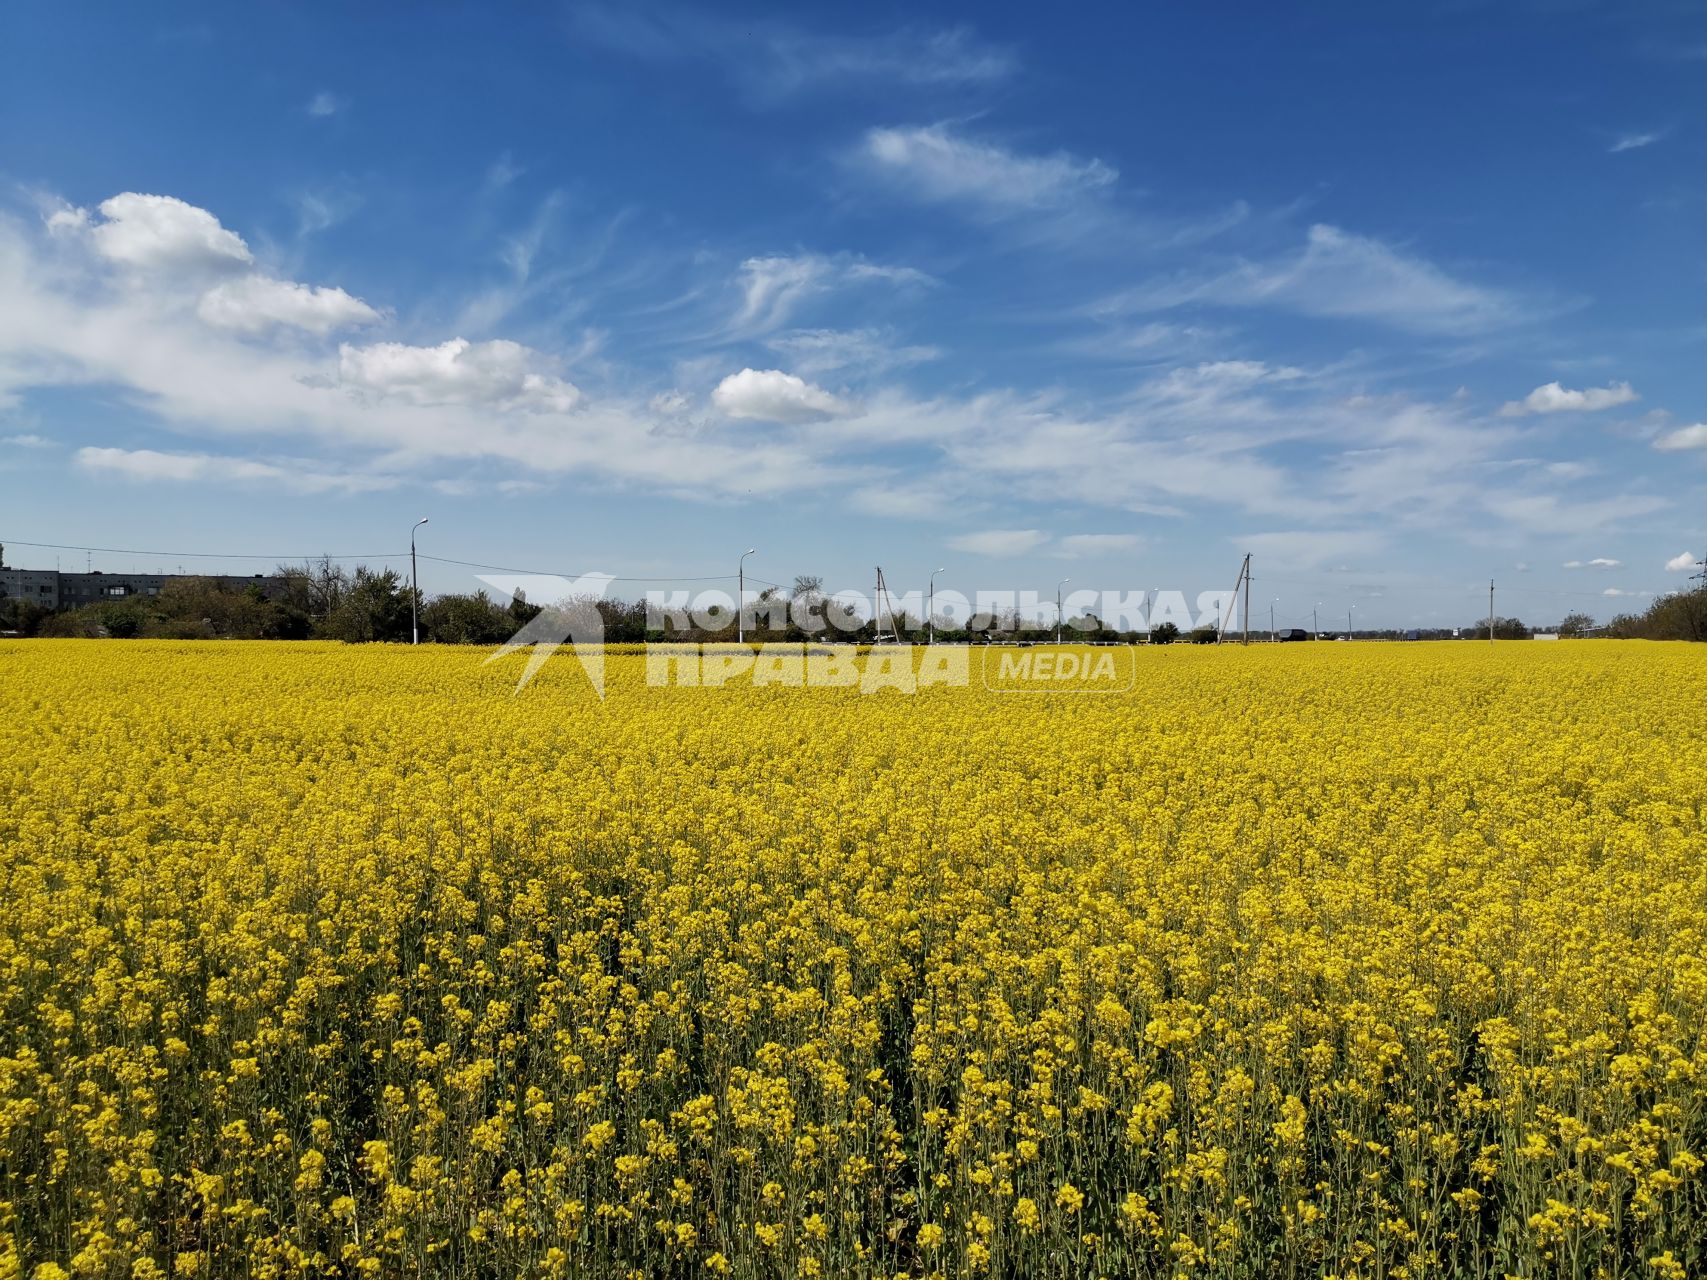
[937, 163]
[867, 351]
[999, 542]
[296, 476]
[772, 288]
[1081, 546]
[1634, 141]
[1339, 275]
[774, 60]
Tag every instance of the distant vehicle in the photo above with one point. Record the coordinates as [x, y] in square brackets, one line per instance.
[1297, 633]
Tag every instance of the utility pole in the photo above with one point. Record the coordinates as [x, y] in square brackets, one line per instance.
[880, 602]
[1247, 597]
[1273, 635]
[741, 596]
[414, 588]
[930, 622]
[1315, 622]
[1490, 610]
[1244, 579]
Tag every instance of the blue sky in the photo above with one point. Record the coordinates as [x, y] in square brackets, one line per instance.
[1396, 300]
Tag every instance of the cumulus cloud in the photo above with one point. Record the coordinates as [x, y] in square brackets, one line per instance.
[156, 233]
[999, 542]
[1693, 437]
[1681, 562]
[1554, 398]
[770, 395]
[256, 303]
[1599, 562]
[934, 162]
[499, 374]
[149, 466]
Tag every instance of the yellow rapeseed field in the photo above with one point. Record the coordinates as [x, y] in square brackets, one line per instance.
[1372, 960]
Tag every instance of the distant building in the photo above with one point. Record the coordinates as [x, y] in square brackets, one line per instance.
[56, 591]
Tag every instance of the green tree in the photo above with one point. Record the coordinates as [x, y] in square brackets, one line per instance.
[374, 607]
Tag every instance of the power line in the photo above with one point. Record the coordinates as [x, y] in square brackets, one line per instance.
[554, 573]
[198, 555]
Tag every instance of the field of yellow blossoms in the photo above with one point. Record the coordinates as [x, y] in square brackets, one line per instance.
[1364, 960]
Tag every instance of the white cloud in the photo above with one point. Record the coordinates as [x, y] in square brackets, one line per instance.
[499, 374]
[774, 60]
[1000, 542]
[27, 441]
[1619, 591]
[1633, 141]
[325, 103]
[1554, 398]
[157, 233]
[151, 466]
[870, 351]
[773, 287]
[770, 395]
[1693, 437]
[1308, 548]
[934, 163]
[1340, 275]
[669, 404]
[1216, 441]
[1682, 562]
[949, 57]
[1599, 562]
[256, 303]
[1079, 545]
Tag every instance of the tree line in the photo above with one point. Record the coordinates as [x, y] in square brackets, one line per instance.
[324, 600]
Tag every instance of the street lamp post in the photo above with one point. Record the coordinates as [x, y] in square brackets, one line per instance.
[414, 588]
[930, 621]
[1058, 586]
[741, 597]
